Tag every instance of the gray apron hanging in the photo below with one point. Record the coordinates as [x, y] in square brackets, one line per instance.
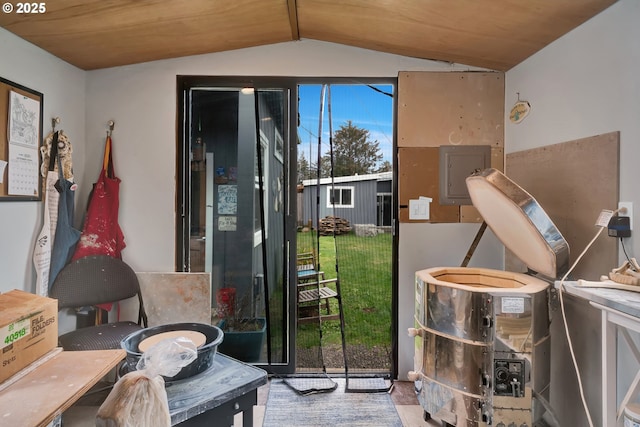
[66, 236]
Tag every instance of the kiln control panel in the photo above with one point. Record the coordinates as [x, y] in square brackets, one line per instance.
[509, 377]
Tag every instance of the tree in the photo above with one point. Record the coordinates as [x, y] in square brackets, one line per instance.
[386, 166]
[353, 152]
[305, 171]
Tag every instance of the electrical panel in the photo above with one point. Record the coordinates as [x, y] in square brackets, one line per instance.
[457, 162]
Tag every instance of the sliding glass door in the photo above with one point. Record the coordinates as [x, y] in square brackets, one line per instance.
[248, 157]
[234, 203]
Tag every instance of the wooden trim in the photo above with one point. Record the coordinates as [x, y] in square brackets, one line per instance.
[293, 19]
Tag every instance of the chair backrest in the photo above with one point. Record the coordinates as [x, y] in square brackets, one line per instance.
[94, 280]
[306, 261]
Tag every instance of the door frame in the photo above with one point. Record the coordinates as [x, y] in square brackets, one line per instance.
[183, 180]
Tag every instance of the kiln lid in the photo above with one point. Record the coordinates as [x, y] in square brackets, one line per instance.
[520, 223]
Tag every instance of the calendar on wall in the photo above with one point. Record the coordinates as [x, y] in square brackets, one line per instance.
[20, 140]
[22, 171]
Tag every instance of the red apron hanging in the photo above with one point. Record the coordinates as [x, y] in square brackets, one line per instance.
[101, 234]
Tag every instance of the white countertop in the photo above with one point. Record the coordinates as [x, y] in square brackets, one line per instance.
[627, 302]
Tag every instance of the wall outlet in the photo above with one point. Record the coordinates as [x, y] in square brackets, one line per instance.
[629, 211]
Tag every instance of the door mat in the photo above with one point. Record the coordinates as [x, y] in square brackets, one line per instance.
[287, 408]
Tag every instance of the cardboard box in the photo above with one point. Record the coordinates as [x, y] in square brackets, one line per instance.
[28, 330]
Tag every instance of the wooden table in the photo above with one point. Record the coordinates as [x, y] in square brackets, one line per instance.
[214, 396]
[44, 392]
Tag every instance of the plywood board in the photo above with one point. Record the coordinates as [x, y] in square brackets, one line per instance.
[440, 109]
[418, 176]
[460, 108]
[176, 297]
[573, 181]
[51, 388]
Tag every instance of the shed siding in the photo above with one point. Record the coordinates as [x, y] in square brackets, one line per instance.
[364, 203]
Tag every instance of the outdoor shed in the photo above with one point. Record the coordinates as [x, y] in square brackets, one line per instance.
[359, 199]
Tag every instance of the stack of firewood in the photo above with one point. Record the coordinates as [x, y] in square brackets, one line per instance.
[331, 224]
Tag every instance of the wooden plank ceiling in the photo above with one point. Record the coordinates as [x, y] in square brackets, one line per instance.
[494, 34]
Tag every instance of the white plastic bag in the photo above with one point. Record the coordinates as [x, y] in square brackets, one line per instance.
[139, 398]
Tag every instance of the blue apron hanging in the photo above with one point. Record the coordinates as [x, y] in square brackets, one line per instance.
[66, 236]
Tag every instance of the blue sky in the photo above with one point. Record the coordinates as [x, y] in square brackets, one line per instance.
[365, 107]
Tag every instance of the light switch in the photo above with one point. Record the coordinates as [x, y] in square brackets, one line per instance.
[419, 208]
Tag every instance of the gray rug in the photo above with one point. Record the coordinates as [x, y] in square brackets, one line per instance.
[286, 408]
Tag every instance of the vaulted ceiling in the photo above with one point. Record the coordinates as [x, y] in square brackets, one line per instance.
[494, 34]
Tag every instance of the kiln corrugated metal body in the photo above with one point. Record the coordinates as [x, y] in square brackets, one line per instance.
[482, 354]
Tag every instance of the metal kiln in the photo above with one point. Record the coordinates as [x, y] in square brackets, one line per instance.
[482, 354]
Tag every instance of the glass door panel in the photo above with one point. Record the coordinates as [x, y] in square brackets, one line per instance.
[234, 227]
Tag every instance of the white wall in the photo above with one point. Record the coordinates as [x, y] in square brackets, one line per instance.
[584, 84]
[63, 87]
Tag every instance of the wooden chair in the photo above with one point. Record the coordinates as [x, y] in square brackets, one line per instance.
[313, 294]
[313, 290]
[306, 265]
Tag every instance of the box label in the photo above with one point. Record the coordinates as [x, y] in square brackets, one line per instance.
[39, 324]
[512, 305]
[15, 331]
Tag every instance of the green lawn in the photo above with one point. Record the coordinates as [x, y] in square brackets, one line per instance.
[365, 280]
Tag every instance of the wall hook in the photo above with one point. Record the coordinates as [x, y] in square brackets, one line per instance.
[54, 122]
[111, 124]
